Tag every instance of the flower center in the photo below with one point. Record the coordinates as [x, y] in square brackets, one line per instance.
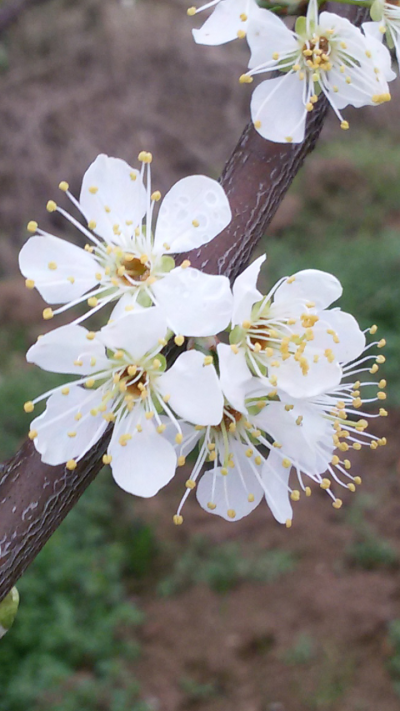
[316, 53]
[229, 420]
[134, 268]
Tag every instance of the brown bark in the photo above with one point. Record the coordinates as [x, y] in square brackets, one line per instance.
[34, 497]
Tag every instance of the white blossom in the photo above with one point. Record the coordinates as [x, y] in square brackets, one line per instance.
[291, 340]
[125, 256]
[387, 23]
[326, 55]
[266, 435]
[123, 381]
[228, 21]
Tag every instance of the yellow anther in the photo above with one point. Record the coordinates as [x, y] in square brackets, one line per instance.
[93, 189]
[190, 484]
[145, 157]
[71, 464]
[249, 452]
[286, 463]
[307, 491]
[243, 17]
[224, 471]
[275, 55]
[357, 445]
[269, 352]
[325, 484]
[383, 412]
[179, 340]
[295, 495]
[211, 506]
[94, 412]
[107, 458]
[373, 329]
[288, 523]
[92, 301]
[92, 224]
[156, 196]
[381, 343]
[296, 67]
[351, 487]
[179, 438]
[51, 206]
[289, 139]
[241, 34]
[178, 520]
[381, 98]
[208, 360]
[124, 439]
[32, 226]
[149, 415]
[337, 504]
[381, 395]
[48, 314]
[374, 369]
[71, 434]
[380, 359]
[335, 460]
[30, 284]
[32, 434]
[29, 406]
[374, 445]
[245, 79]
[231, 513]
[289, 407]
[89, 383]
[191, 11]
[185, 264]
[299, 420]
[63, 186]
[277, 445]
[257, 124]
[344, 125]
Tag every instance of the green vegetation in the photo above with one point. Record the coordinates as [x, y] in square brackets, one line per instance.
[368, 551]
[71, 644]
[394, 659]
[302, 651]
[224, 566]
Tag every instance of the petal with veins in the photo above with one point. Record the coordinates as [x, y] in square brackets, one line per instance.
[245, 292]
[195, 304]
[61, 271]
[113, 194]
[275, 479]
[194, 389]
[137, 332]
[277, 109]
[67, 429]
[146, 462]
[313, 285]
[192, 213]
[68, 350]
[235, 376]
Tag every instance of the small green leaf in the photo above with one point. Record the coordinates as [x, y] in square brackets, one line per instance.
[8, 611]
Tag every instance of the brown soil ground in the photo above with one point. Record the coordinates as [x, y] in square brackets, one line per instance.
[240, 642]
[87, 76]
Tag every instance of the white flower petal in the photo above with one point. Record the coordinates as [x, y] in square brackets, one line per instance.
[146, 462]
[120, 197]
[60, 435]
[275, 479]
[277, 109]
[267, 34]
[125, 305]
[224, 23]
[192, 213]
[313, 285]
[190, 435]
[351, 338]
[232, 492]
[305, 436]
[137, 332]
[68, 350]
[194, 389]
[235, 376]
[61, 271]
[245, 292]
[195, 304]
[321, 376]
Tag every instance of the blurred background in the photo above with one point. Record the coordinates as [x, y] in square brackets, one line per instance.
[122, 611]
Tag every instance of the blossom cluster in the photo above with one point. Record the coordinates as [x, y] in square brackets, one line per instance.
[263, 385]
[325, 55]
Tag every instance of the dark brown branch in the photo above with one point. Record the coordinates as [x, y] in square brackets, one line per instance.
[35, 498]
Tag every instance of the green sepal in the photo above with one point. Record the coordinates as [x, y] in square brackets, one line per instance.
[376, 11]
[236, 335]
[389, 39]
[167, 264]
[8, 610]
[301, 26]
[144, 299]
[163, 362]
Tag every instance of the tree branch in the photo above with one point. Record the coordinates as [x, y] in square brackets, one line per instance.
[34, 497]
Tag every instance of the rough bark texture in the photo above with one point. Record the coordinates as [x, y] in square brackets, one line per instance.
[35, 498]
